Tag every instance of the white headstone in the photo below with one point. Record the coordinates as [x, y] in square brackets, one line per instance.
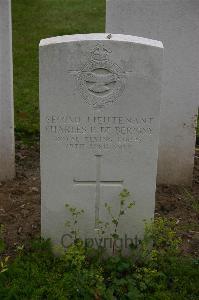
[176, 23]
[99, 104]
[7, 145]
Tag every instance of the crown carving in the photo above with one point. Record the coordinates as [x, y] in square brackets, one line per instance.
[100, 53]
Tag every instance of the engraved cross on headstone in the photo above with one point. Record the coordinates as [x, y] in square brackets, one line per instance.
[98, 183]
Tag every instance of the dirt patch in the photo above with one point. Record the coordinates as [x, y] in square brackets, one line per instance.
[20, 199]
[20, 203]
[182, 203]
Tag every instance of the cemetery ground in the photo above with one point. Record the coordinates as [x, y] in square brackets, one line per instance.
[32, 272]
[20, 203]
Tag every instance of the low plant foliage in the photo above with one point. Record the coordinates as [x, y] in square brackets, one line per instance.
[153, 270]
[3, 259]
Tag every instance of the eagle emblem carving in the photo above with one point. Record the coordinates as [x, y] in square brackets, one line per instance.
[100, 81]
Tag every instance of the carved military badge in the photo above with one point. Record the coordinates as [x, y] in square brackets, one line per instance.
[100, 81]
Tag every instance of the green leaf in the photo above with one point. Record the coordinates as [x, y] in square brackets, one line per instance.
[115, 236]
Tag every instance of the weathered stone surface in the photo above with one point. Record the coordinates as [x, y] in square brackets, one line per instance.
[100, 104]
[7, 146]
[176, 23]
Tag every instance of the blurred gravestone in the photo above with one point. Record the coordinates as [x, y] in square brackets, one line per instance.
[7, 146]
[176, 24]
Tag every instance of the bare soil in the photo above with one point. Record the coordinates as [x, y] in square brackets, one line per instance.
[20, 204]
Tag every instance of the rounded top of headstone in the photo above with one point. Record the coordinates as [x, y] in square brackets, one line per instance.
[100, 37]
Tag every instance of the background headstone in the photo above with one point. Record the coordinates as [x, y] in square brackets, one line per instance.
[7, 145]
[99, 105]
[176, 23]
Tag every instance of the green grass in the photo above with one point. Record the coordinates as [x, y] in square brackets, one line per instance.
[34, 20]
